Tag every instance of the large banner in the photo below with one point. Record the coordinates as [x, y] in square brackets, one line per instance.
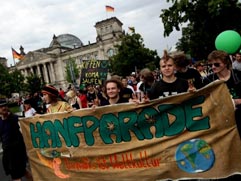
[191, 135]
[94, 71]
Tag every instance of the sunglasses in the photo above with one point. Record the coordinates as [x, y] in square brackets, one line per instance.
[215, 64]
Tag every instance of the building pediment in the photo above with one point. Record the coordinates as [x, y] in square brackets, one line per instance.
[31, 57]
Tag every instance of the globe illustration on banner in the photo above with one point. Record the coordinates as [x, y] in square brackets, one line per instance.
[194, 156]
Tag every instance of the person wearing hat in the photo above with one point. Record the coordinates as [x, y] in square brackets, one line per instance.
[14, 151]
[51, 97]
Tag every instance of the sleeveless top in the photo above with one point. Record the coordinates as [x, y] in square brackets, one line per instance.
[60, 106]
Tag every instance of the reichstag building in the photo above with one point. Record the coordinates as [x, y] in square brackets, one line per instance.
[50, 63]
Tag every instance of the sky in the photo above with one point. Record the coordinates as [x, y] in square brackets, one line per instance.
[32, 23]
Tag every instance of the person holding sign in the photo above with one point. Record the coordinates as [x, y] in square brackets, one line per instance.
[169, 84]
[222, 70]
[50, 96]
[113, 88]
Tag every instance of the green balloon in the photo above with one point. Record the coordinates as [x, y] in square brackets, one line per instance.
[228, 41]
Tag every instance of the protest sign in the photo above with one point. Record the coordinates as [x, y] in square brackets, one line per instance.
[191, 135]
[94, 71]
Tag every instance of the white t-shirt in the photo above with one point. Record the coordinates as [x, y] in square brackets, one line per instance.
[237, 65]
[130, 87]
[138, 86]
[30, 112]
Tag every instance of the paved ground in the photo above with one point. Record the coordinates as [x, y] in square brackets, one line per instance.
[3, 177]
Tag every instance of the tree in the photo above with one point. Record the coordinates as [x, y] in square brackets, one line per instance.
[10, 81]
[4, 82]
[132, 55]
[204, 19]
[72, 71]
[34, 83]
[16, 81]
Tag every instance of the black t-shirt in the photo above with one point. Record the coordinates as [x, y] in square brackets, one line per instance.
[191, 74]
[76, 104]
[126, 94]
[233, 83]
[102, 98]
[164, 89]
[121, 100]
[146, 88]
[91, 96]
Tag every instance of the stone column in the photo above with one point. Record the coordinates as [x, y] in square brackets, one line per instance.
[31, 70]
[25, 72]
[52, 71]
[22, 71]
[46, 78]
[38, 70]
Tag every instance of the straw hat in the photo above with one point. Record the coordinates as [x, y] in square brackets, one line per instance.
[70, 94]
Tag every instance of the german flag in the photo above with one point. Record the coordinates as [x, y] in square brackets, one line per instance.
[16, 55]
[109, 9]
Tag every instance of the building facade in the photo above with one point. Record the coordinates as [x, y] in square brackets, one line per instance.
[50, 63]
[3, 61]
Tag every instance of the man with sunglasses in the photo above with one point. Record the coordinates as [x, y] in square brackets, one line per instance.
[222, 70]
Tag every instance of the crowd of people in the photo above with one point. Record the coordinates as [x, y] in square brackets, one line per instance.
[177, 74]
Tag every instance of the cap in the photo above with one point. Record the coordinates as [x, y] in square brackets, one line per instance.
[3, 102]
[51, 90]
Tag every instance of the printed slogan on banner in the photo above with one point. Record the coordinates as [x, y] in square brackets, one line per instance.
[191, 135]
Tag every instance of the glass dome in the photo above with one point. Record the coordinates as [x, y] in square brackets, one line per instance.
[68, 40]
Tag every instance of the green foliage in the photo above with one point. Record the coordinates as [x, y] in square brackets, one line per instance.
[132, 55]
[17, 81]
[204, 21]
[4, 82]
[14, 108]
[34, 83]
[14, 82]
[10, 81]
[72, 71]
